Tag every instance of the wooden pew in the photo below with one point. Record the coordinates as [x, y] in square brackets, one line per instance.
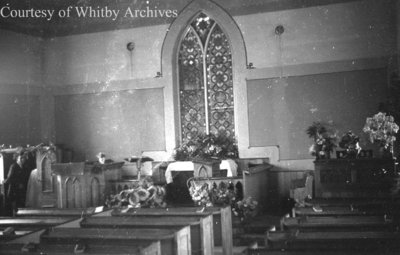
[31, 222]
[222, 220]
[65, 239]
[330, 211]
[265, 251]
[331, 207]
[37, 223]
[151, 248]
[338, 240]
[8, 234]
[201, 231]
[12, 228]
[343, 223]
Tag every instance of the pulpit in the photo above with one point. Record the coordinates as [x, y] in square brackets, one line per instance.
[41, 185]
[81, 185]
[352, 178]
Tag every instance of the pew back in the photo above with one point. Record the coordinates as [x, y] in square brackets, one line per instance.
[222, 217]
[153, 248]
[54, 212]
[201, 231]
[171, 241]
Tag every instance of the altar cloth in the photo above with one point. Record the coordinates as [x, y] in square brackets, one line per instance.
[228, 164]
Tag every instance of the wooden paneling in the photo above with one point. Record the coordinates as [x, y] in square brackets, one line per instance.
[279, 184]
[81, 185]
[368, 177]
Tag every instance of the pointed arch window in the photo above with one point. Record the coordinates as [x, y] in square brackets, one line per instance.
[205, 80]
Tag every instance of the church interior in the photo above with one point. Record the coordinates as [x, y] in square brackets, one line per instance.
[199, 127]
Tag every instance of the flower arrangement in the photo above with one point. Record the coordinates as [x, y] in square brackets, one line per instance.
[206, 146]
[200, 193]
[145, 194]
[245, 209]
[381, 129]
[324, 140]
[206, 195]
[350, 142]
[223, 194]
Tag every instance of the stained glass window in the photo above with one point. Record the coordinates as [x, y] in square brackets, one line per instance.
[205, 80]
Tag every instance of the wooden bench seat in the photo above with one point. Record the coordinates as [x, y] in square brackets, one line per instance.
[352, 201]
[347, 240]
[342, 223]
[201, 230]
[349, 207]
[152, 248]
[335, 211]
[28, 223]
[222, 220]
[5, 237]
[54, 212]
[61, 239]
[13, 228]
[267, 251]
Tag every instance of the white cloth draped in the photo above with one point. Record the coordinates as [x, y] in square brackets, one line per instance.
[228, 164]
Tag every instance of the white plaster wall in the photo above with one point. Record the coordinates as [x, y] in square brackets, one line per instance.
[103, 57]
[359, 30]
[20, 59]
[355, 30]
[362, 29]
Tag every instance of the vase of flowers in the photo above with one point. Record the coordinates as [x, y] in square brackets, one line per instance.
[207, 146]
[245, 209]
[350, 142]
[324, 140]
[143, 194]
[200, 193]
[381, 130]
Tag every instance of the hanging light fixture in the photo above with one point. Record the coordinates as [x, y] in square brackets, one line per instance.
[131, 46]
[279, 31]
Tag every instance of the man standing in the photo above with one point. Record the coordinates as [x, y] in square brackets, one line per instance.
[16, 183]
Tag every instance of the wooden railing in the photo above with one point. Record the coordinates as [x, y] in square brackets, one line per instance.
[253, 183]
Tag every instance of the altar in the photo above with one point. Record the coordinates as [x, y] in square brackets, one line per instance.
[229, 165]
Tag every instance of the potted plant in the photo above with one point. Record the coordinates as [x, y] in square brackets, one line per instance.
[245, 209]
[350, 142]
[381, 130]
[207, 146]
[324, 140]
